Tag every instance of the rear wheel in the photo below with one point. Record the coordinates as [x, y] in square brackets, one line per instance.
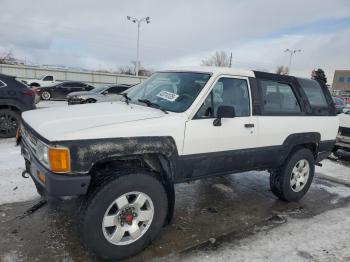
[123, 215]
[291, 181]
[9, 121]
[45, 95]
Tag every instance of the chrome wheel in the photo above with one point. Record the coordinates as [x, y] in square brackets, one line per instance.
[128, 218]
[300, 175]
[45, 95]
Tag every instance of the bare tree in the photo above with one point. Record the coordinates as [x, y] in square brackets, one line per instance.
[8, 58]
[131, 69]
[220, 58]
[282, 70]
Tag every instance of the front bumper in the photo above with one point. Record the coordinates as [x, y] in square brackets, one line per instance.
[343, 142]
[75, 101]
[54, 184]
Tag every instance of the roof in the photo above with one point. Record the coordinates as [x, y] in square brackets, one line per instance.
[212, 70]
[6, 76]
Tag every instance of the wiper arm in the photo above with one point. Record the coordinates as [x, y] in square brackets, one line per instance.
[151, 104]
[127, 99]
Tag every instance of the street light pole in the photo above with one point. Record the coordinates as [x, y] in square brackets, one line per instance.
[291, 52]
[138, 21]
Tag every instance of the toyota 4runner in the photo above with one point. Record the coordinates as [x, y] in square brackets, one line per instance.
[179, 125]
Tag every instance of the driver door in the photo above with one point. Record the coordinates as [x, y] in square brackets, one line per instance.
[210, 149]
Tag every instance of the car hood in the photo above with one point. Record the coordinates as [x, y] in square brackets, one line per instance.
[56, 123]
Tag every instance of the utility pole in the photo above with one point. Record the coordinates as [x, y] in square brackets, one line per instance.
[291, 52]
[230, 60]
[138, 21]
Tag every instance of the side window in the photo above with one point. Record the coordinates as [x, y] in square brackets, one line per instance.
[48, 78]
[226, 92]
[114, 90]
[313, 92]
[2, 84]
[278, 98]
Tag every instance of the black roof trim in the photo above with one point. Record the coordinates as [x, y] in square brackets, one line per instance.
[272, 76]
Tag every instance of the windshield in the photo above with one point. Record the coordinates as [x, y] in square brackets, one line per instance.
[98, 89]
[170, 91]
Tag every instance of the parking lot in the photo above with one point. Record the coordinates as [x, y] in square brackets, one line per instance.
[233, 215]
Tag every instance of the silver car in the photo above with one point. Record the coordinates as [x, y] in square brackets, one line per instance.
[98, 94]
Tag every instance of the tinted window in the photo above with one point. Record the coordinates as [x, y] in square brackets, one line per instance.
[115, 89]
[69, 84]
[278, 98]
[313, 92]
[226, 92]
[48, 78]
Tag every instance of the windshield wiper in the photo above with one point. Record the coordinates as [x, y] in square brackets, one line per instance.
[151, 104]
[127, 99]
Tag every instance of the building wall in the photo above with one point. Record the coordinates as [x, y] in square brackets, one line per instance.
[94, 78]
[341, 80]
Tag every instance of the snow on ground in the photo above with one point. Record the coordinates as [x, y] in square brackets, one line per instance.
[334, 170]
[46, 104]
[13, 187]
[321, 238]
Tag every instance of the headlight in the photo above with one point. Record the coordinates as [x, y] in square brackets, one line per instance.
[42, 153]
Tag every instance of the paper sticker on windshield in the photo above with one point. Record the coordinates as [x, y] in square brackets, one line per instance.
[168, 95]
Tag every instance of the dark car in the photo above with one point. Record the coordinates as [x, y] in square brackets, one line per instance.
[61, 90]
[98, 94]
[340, 104]
[15, 97]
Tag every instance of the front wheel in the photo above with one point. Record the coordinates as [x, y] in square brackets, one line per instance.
[9, 121]
[123, 215]
[292, 181]
[45, 95]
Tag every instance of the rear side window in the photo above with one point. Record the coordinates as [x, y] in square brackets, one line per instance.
[278, 98]
[313, 92]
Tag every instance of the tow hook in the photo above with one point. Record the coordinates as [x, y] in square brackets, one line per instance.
[25, 174]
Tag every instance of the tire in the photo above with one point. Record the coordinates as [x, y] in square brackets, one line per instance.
[90, 101]
[97, 238]
[9, 121]
[284, 181]
[45, 95]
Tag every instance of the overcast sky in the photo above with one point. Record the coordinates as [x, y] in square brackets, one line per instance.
[96, 34]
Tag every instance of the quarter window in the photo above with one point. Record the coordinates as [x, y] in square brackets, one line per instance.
[278, 98]
[228, 92]
[313, 92]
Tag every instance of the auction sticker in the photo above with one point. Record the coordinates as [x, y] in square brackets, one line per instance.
[168, 95]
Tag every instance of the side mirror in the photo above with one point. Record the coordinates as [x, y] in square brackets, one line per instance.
[224, 112]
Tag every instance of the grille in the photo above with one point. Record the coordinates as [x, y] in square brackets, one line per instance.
[29, 138]
[345, 131]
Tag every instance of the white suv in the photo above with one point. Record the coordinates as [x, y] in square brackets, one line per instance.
[177, 126]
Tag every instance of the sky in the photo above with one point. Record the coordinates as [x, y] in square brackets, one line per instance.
[96, 34]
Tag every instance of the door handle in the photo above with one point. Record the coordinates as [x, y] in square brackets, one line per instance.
[248, 125]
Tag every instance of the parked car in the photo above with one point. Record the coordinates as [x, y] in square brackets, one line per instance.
[98, 94]
[178, 125]
[61, 90]
[45, 80]
[15, 97]
[343, 137]
[340, 104]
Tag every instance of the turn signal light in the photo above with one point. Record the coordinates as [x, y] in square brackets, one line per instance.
[59, 160]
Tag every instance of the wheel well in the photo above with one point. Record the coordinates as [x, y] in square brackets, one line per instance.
[311, 146]
[11, 108]
[158, 164]
[34, 84]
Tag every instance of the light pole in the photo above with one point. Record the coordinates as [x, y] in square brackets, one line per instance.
[138, 21]
[291, 52]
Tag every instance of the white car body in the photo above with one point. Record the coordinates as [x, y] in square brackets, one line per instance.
[46, 80]
[117, 119]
